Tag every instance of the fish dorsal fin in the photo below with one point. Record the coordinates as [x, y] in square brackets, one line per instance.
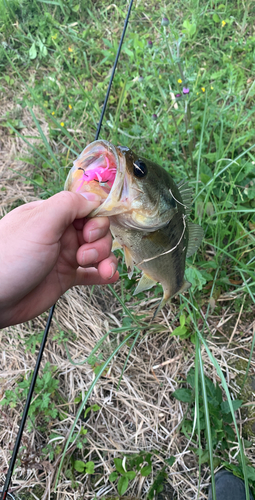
[186, 193]
[145, 283]
[196, 234]
[129, 261]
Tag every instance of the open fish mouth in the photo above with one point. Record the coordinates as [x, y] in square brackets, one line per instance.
[101, 170]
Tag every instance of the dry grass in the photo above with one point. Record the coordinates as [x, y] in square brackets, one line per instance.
[139, 415]
[12, 170]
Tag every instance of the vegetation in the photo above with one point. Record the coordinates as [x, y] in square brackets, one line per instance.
[183, 96]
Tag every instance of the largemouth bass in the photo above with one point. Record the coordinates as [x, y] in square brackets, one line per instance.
[148, 213]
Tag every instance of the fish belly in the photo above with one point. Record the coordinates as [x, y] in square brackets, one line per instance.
[159, 254]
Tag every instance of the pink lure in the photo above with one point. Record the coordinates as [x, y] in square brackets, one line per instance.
[100, 174]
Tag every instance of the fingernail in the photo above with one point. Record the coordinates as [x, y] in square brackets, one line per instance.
[91, 196]
[114, 269]
[95, 234]
[89, 256]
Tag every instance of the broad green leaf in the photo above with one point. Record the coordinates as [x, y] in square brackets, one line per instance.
[122, 485]
[77, 399]
[32, 51]
[186, 24]
[184, 395]
[118, 465]
[95, 407]
[170, 461]
[195, 277]
[130, 474]
[179, 330]
[38, 179]
[204, 178]
[90, 466]
[44, 51]
[113, 476]
[189, 28]
[251, 473]
[79, 466]
[216, 18]
[226, 408]
[146, 470]
[193, 29]
[182, 320]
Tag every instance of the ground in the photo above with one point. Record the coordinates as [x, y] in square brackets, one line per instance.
[131, 413]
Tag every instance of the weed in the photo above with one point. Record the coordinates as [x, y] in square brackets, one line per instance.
[221, 418]
[84, 467]
[32, 342]
[43, 408]
[128, 467]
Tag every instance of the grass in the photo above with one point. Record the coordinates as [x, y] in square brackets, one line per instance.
[55, 60]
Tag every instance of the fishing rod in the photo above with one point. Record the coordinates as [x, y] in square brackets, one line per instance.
[4, 492]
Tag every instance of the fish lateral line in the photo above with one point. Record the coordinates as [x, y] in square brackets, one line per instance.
[171, 249]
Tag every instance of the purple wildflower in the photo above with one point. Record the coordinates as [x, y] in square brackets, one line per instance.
[150, 44]
[185, 90]
[154, 116]
[178, 96]
[165, 21]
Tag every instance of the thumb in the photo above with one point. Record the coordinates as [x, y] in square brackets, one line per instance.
[59, 211]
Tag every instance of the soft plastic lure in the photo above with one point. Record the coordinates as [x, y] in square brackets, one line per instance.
[98, 173]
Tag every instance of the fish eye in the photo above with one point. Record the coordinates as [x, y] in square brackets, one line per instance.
[140, 168]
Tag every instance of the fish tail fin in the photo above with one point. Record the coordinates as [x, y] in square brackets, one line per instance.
[186, 285]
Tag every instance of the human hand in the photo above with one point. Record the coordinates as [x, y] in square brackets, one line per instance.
[46, 247]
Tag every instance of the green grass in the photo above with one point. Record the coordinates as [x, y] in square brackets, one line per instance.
[62, 54]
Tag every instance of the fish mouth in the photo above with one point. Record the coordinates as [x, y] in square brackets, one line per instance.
[101, 169]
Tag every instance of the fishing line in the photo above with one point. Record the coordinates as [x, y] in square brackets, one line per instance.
[4, 492]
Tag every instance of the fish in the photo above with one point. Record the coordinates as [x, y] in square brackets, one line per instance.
[148, 213]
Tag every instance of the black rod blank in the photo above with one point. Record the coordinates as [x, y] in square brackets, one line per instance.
[28, 401]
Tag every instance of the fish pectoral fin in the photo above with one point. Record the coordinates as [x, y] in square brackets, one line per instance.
[196, 235]
[145, 283]
[129, 261]
[116, 245]
[127, 254]
[186, 285]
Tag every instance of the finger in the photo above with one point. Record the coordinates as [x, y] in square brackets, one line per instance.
[91, 253]
[96, 228]
[91, 276]
[107, 267]
[58, 212]
[78, 224]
